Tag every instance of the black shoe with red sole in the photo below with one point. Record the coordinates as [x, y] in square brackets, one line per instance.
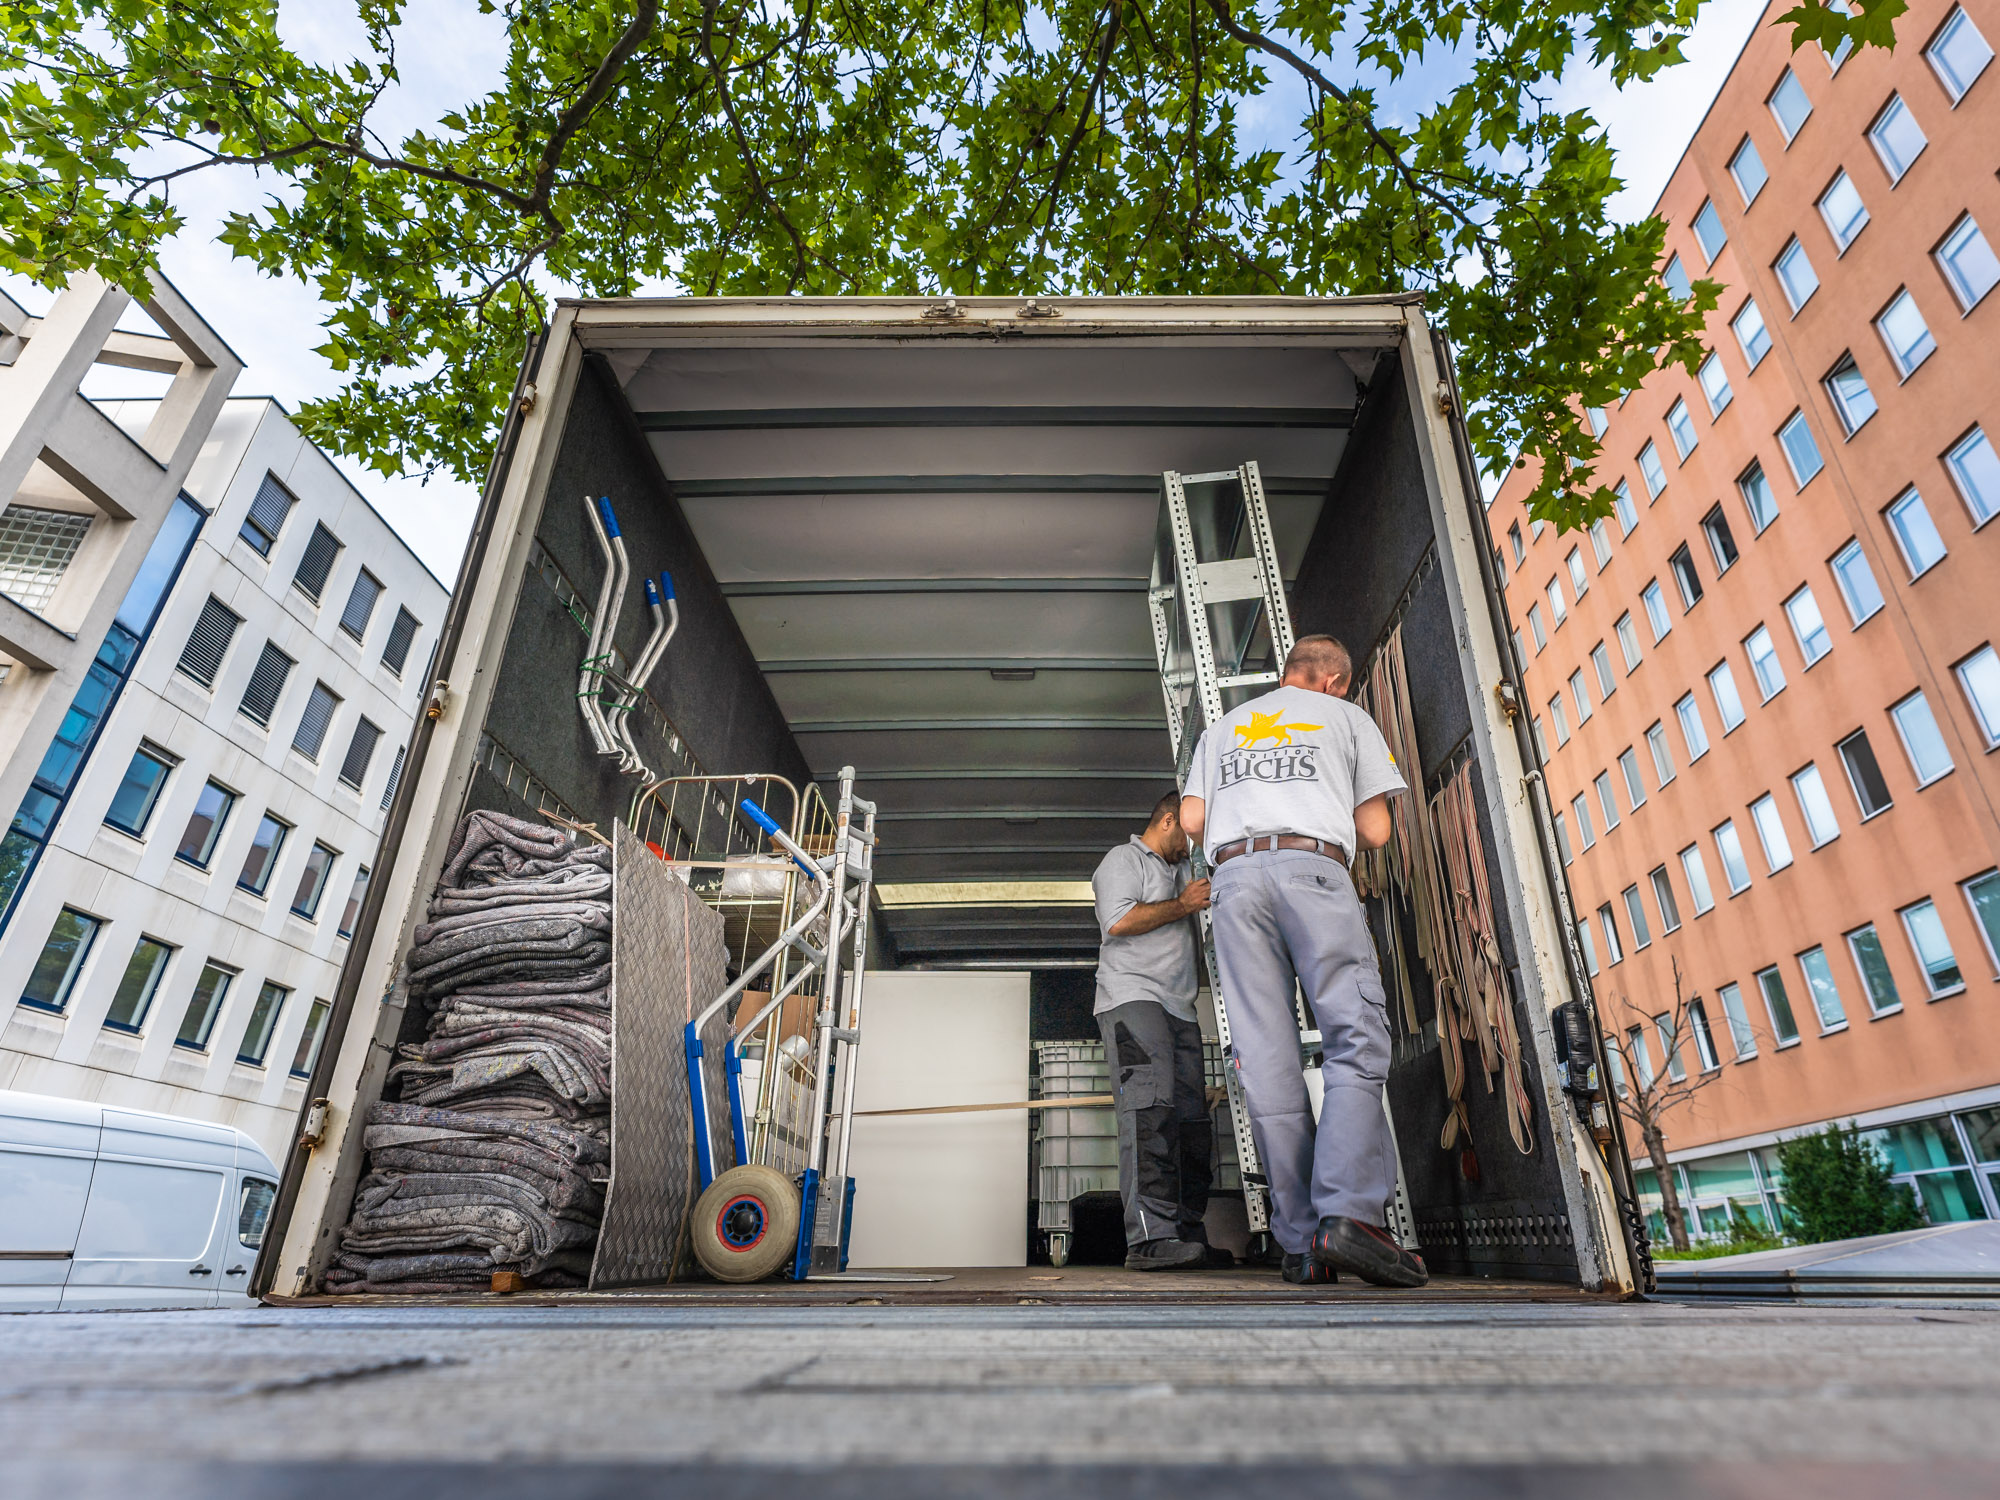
[1368, 1251]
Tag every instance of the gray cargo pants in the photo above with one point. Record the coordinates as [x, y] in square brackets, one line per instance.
[1285, 914]
[1166, 1141]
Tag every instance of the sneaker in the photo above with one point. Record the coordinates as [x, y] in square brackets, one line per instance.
[1369, 1252]
[1165, 1255]
[1220, 1259]
[1303, 1270]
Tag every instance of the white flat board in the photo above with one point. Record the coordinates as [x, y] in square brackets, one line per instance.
[941, 1190]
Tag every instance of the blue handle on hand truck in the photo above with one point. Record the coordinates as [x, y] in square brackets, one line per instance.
[652, 595]
[667, 584]
[761, 818]
[610, 520]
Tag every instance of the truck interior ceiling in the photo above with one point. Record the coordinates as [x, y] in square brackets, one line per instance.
[916, 539]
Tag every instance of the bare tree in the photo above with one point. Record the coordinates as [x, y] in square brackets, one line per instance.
[1646, 1093]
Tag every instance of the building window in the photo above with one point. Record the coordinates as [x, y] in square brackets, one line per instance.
[1558, 609]
[1976, 471]
[1675, 279]
[1979, 676]
[1852, 401]
[309, 1040]
[1864, 775]
[1842, 209]
[139, 793]
[1747, 167]
[1958, 54]
[1709, 232]
[1857, 582]
[1559, 716]
[1536, 629]
[1535, 529]
[1982, 894]
[1663, 898]
[1652, 471]
[263, 856]
[1615, 1061]
[1579, 581]
[1642, 1063]
[1656, 610]
[1808, 625]
[1635, 915]
[360, 751]
[1693, 732]
[1586, 831]
[36, 549]
[1670, 1046]
[1735, 868]
[1696, 871]
[357, 893]
[1628, 642]
[1663, 760]
[315, 721]
[1751, 335]
[1520, 651]
[1815, 806]
[1916, 534]
[1680, 427]
[1771, 834]
[1921, 739]
[1600, 659]
[263, 1021]
[360, 604]
[1796, 276]
[404, 632]
[1689, 581]
[211, 811]
[1933, 949]
[1581, 694]
[1722, 684]
[1757, 497]
[1614, 951]
[1968, 263]
[1779, 1006]
[1562, 840]
[1801, 451]
[1789, 106]
[1514, 539]
[1741, 1037]
[1623, 508]
[1606, 802]
[1715, 385]
[1897, 138]
[261, 527]
[1764, 665]
[57, 969]
[312, 881]
[1635, 787]
[210, 990]
[209, 642]
[1598, 421]
[316, 563]
[260, 697]
[138, 985]
[1905, 333]
[1589, 946]
[1825, 995]
[1873, 966]
[1721, 543]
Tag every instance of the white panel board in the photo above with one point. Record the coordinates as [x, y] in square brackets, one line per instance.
[941, 1190]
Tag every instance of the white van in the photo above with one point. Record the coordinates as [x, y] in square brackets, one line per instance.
[102, 1207]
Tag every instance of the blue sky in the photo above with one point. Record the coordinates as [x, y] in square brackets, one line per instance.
[448, 51]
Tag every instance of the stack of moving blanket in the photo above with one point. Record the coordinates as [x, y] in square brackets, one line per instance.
[495, 1157]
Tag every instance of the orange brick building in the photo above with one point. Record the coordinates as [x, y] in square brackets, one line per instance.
[1767, 689]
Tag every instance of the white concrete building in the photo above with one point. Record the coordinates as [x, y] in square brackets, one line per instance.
[177, 942]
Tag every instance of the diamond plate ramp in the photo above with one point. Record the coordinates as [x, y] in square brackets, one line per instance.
[668, 961]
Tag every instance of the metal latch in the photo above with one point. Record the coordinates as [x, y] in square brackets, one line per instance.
[1033, 308]
[528, 394]
[1444, 399]
[313, 1131]
[440, 695]
[947, 311]
[1509, 700]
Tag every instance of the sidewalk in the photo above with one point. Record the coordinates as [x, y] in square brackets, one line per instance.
[1954, 1262]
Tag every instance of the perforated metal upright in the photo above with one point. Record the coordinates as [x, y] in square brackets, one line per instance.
[1217, 601]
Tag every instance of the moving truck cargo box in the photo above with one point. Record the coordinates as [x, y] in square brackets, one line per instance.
[914, 537]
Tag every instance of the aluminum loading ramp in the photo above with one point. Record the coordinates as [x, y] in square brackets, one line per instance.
[939, 552]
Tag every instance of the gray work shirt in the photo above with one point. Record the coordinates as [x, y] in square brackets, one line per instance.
[1291, 761]
[1156, 965]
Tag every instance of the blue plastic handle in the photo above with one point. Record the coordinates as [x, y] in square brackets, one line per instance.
[761, 818]
[610, 519]
[652, 594]
[667, 584]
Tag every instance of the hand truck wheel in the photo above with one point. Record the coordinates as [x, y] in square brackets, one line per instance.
[746, 1225]
[1059, 1249]
[1262, 1250]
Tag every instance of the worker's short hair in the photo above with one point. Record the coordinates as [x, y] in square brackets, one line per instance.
[1171, 803]
[1320, 655]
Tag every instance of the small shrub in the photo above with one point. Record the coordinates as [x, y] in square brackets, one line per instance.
[1837, 1187]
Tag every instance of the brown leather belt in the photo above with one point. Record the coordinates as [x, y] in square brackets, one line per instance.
[1265, 841]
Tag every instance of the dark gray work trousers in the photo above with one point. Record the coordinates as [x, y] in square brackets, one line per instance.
[1166, 1142]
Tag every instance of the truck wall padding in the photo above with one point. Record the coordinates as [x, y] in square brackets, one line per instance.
[1370, 542]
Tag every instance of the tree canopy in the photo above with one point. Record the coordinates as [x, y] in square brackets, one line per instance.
[880, 146]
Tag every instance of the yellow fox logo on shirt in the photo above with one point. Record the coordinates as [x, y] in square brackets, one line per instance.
[1268, 727]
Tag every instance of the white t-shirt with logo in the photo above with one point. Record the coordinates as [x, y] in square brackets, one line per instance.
[1292, 761]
